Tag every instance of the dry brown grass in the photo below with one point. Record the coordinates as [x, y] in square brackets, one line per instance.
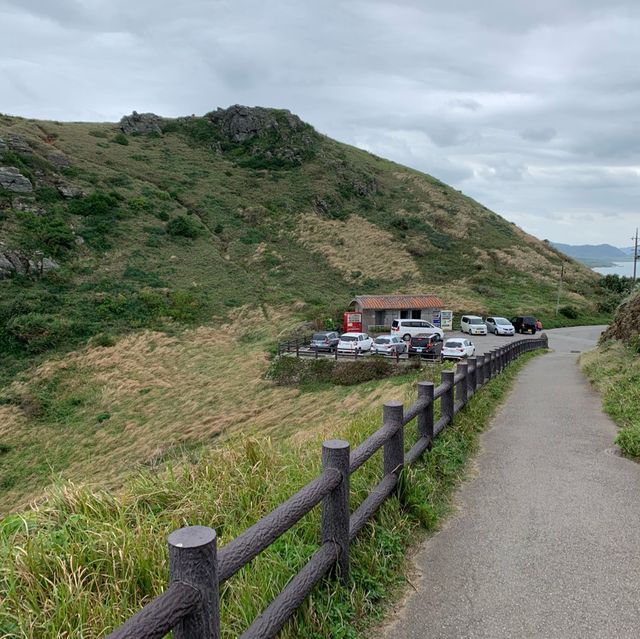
[378, 253]
[166, 392]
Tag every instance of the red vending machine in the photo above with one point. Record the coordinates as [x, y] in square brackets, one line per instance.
[352, 322]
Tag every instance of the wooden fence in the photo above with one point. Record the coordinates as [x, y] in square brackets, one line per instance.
[190, 605]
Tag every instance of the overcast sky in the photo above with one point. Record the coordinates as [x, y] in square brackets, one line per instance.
[532, 108]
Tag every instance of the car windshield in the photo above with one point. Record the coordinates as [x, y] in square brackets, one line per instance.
[529, 320]
[319, 337]
[348, 338]
[475, 320]
[502, 321]
[420, 341]
[451, 344]
[382, 340]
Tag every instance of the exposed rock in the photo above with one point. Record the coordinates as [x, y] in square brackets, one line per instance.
[58, 159]
[3, 145]
[15, 263]
[626, 321]
[67, 191]
[28, 206]
[141, 123]
[284, 135]
[12, 180]
[364, 186]
[19, 143]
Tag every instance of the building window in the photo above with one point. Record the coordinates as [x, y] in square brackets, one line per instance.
[404, 315]
[379, 318]
[416, 313]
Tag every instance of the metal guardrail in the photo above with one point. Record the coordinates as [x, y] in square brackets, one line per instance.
[190, 605]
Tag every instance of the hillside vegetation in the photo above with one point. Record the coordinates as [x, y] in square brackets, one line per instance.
[614, 368]
[147, 267]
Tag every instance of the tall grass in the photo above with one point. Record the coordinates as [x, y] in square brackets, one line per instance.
[615, 370]
[83, 561]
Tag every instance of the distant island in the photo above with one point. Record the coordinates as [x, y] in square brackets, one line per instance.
[596, 254]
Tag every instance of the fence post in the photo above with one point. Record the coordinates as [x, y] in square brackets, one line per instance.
[393, 413]
[193, 559]
[487, 367]
[479, 370]
[446, 400]
[297, 348]
[335, 506]
[425, 416]
[462, 367]
[471, 376]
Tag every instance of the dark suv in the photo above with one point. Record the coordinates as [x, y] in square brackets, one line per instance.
[524, 324]
[425, 345]
[325, 341]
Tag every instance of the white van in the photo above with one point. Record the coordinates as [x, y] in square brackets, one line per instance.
[407, 328]
[473, 325]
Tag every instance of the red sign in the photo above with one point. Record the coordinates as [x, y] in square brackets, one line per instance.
[352, 322]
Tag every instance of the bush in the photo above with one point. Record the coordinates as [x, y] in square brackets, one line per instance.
[569, 312]
[38, 331]
[47, 233]
[183, 226]
[120, 138]
[363, 370]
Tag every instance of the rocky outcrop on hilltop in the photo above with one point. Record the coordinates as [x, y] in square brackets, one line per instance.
[141, 123]
[626, 322]
[275, 135]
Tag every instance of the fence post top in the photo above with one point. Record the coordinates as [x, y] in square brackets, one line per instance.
[393, 404]
[335, 444]
[192, 537]
[424, 385]
[447, 373]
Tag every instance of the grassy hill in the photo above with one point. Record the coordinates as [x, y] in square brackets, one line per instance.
[148, 266]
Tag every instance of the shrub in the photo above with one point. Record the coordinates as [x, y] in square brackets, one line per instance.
[47, 233]
[105, 340]
[97, 204]
[569, 312]
[38, 331]
[120, 138]
[183, 226]
[363, 370]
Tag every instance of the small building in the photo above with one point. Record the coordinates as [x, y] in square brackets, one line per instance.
[381, 310]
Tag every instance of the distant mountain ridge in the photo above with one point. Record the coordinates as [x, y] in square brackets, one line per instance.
[592, 251]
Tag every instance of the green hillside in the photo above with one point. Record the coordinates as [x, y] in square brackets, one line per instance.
[182, 220]
[147, 267]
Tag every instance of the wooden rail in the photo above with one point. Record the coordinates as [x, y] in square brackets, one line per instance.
[190, 605]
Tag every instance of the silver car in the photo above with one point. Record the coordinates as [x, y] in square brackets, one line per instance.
[500, 326]
[388, 345]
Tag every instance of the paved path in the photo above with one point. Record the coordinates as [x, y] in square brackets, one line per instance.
[546, 541]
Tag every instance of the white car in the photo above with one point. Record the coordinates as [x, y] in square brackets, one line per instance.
[388, 345]
[407, 328]
[351, 342]
[473, 325]
[500, 326]
[458, 348]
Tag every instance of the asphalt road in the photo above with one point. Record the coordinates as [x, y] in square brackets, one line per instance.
[545, 541]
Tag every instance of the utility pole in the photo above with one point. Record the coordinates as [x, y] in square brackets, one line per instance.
[560, 286]
[635, 257]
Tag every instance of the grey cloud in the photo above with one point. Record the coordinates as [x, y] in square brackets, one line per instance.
[532, 108]
[543, 134]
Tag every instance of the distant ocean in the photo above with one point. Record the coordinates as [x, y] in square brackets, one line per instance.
[620, 268]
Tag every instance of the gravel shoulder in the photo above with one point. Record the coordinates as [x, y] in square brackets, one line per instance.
[545, 540]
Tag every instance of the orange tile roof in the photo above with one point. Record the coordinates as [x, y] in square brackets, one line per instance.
[383, 302]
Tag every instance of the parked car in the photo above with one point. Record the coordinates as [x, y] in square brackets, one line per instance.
[473, 325]
[351, 342]
[425, 345]
[388, 345]
[325, 341]
[499, 326]
[406, 328]
[524, 324]
[457, 348]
